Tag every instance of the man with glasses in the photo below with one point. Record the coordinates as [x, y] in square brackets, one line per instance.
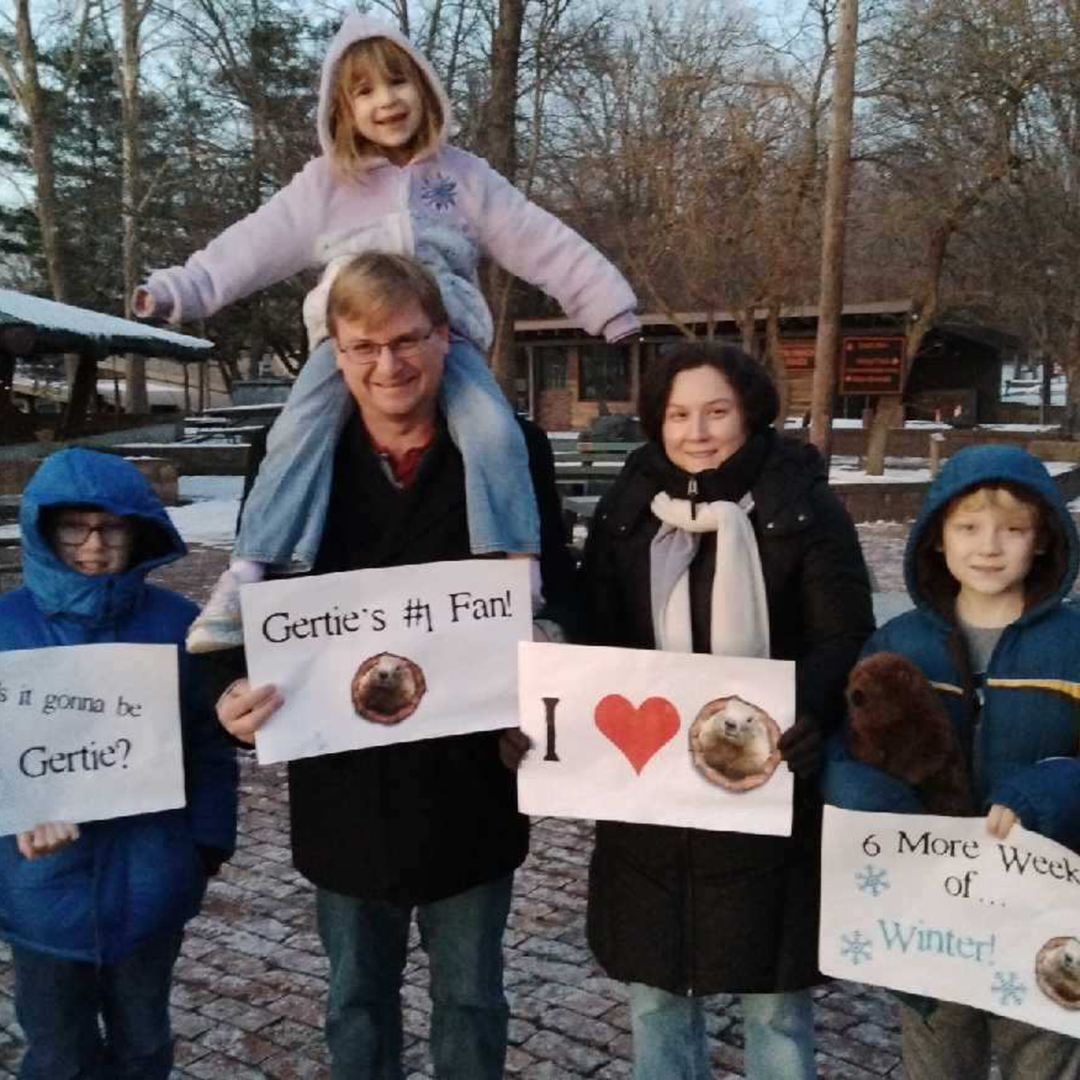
[94, 912]
[429, 826]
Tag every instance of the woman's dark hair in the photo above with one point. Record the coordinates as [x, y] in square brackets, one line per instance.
[753, 387]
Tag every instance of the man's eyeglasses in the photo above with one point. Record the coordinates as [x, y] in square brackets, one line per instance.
[76, 533]
[406, 347]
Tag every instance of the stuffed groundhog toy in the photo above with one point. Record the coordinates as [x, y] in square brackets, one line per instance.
[897, 724]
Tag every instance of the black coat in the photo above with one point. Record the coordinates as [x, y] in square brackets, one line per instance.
[419, 821]
[693, 911]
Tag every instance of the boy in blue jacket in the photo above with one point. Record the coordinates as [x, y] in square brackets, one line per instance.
[989, 562]
[95, 912]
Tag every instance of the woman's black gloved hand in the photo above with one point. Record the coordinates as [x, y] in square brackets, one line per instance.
[802, 747]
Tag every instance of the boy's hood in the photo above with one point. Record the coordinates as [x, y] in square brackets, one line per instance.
[358, 28]
[108, 482]
[980, 465]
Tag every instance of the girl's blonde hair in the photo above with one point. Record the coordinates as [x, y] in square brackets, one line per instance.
[384, 59]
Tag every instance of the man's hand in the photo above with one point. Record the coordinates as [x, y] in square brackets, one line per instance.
[242, 710]
[46, 838]
[802, 748]
[514, 744]
[999, 821]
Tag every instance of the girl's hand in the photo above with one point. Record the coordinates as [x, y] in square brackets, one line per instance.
[999, 821]
[145, 305]
[242, 710]
[46, 838]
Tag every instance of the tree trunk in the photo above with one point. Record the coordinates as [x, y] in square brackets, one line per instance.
[500, 148]
[136, 398]
[888, 414]
[31, 97]
[831, 296]
[81, 395]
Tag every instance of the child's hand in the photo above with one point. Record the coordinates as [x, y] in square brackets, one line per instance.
[242, 710]
[46, 838]
[999, 821]
[145, 304]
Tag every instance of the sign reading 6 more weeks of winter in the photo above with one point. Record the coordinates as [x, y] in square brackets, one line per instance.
[88, 732]
[937, 906]
[388, 655]
[655, 737]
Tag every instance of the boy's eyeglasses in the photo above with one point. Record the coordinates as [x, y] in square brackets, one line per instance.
[76, 533]
[406, 347]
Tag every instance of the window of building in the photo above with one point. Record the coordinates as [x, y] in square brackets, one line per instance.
[605, 373]
[550, 367]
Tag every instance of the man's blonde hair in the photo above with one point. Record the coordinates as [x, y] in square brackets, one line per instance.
[382, 58]
[373, 287]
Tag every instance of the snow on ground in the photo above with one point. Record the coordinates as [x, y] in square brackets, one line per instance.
[209, 518]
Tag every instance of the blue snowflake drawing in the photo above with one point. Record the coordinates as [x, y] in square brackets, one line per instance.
[439, 192]
[856, 948]
[1008, 988]
[872, 879]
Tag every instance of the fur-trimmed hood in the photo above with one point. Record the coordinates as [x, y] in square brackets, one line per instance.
[929, 582]
[359, 28]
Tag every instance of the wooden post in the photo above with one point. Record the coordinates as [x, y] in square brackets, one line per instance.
[937, 441]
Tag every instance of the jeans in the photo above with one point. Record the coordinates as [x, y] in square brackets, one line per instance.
[285, 509]
[58, 1003]
[367, 943]
[670, 1042]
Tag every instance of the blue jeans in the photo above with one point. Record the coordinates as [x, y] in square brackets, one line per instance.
[283, 517]
[367, 942]
[670, 1042]
[58, 1003]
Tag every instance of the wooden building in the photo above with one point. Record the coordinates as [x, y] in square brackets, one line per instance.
[567, 376]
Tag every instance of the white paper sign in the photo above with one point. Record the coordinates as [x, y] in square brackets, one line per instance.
[936, 906]
[88, 732]
[388, 655]
[656, 737]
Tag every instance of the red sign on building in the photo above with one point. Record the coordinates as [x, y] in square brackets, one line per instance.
[872, 365]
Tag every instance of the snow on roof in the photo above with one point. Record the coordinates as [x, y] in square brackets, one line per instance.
[62, 321]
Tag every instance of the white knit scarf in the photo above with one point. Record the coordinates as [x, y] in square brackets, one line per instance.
[739, 611]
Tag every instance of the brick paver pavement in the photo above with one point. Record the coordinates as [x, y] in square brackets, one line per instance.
[251, 981]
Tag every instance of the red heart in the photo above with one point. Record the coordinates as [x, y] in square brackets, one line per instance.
[640, 732]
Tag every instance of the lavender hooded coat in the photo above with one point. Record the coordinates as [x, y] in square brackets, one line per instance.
[447, 207]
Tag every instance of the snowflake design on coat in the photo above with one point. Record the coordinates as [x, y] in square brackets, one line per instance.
[439, 191]
[1008, 988]
[856, 948]
[873, 880]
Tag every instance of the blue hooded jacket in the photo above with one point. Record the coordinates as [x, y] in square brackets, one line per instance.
[1026, 736]
[126, 879]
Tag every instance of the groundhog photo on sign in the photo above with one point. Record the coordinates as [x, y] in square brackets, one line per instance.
[387, 688]
[1057, 971]
[733, 743]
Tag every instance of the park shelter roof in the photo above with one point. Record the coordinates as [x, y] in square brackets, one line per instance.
[49, 326]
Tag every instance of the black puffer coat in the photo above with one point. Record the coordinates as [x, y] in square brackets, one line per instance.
[415, 822]
[703, 912]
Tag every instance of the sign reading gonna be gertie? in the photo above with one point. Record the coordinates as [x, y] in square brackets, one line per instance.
[88, 732]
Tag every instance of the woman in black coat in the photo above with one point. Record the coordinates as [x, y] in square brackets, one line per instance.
[680, 913]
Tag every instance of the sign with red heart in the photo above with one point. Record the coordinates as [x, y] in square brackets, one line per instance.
[639, 732]
[660, 738]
